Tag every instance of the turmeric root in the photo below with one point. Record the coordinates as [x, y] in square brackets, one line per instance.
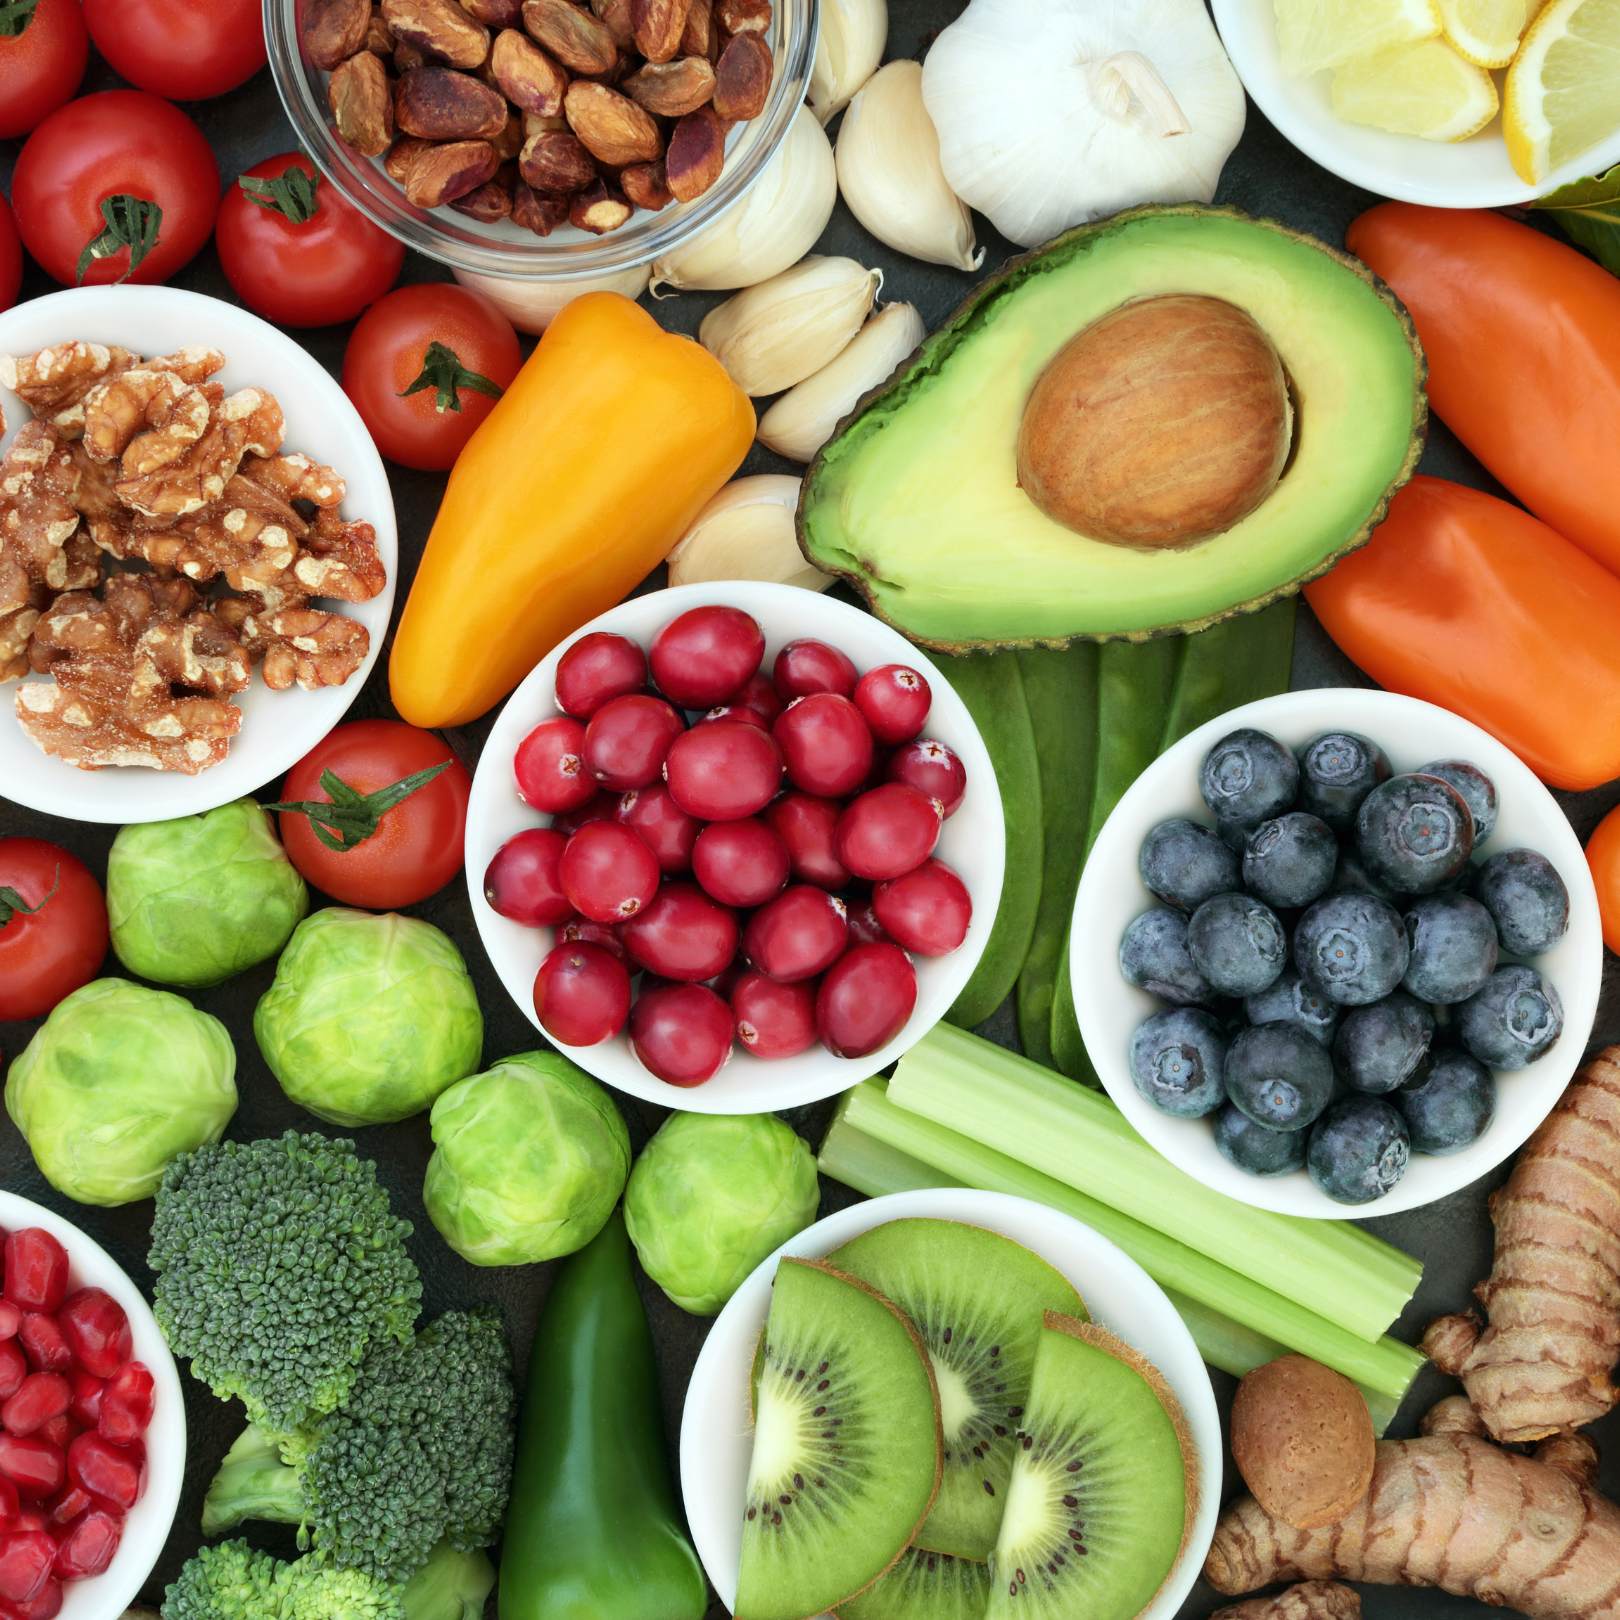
[1454, 1511]
[1544, 1363]
[1310, 1600]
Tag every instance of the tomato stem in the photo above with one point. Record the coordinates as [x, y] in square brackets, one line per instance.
[11, 903]
[346, 818]
[443, 371]
[290, 193]
[128, 222]
[15, 16]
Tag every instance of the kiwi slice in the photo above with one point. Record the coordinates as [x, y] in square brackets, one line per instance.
[976, 1298]
[1103, 1485]
[846, 1445]
[924, 1586]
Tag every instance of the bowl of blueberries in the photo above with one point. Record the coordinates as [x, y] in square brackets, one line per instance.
[1336, 948]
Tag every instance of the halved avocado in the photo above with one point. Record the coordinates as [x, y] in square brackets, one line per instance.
[917, 501]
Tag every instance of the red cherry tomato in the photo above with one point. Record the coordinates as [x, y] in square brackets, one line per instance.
[115, 187]
[414, 846]
[11, 265]
[296, 251]
[50, 950]
[43, 51]
[186, 50]
[425, 366]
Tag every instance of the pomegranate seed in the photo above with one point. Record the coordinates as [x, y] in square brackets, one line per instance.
[10, 1319]
[41, 1397]
[666, 829]
[114, 1473]
[26, 1557]
[57, 1431]
[683, 935]
[97, 1331]
[865, 1000]
[33, 1465]
[595, 670]
[602, 806]
[46, 1606]
[894, 701]
[864, 928]
[759, 695]
[10, 1503]
[36, 1270]
[803, 668]
[705, 655]
[681, 1033]
[608, 874]
[628, 739]
[524, 880]
[13, 1368]
[888, 831]
[774, 1020]
[926, 911]
[825, 744]
[931, 768]
[582, 931]
[44, 1343]
[724, 771]
[806, 825]
[550, 766]
[582, 994]
[800, 933]
[127, 1404]
[88, 1548]
[740, 863]
[87, 1392]
[66, 1507]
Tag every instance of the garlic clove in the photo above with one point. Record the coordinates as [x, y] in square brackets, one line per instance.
[848, 50]
[777, 333]
[805, 417]
[531, 306]
[770, 227]
[889, 172]
[748, 531]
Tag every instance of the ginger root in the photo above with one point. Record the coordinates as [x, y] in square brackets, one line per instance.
[1310, 1600]
[1544, 1363]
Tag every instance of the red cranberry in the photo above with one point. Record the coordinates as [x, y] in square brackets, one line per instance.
[865, 1000]
[806, 825]
[36, 1270]
[524, 880]
[582, 994]
[595, 670]
[97, 1331]
[582, 931]
[114, 1473]
[864, 928]
[608, 874]
[894, 701]
[628, 739]
[127, 1404]
[681, 1033]
[10, 1319]
[26, 1557]
[43, 1343]
[739, 712]
[601, 806]
[704, 656]
[550, 766]
[88, 1548]
[926, 911]
[652, 814]
[887, 831]
[13, 1368]
[760, 695]
[774, 1020]
[41, 1397]
[804, 667]
[825, 744]
[724, 771]
[800, 933]
[33, 1465]
[683, 935]
[931, 768]
[740, 863]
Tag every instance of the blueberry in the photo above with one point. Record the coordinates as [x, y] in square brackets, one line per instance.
[1153, 956]
[1279, 1076]
[1478, 792]
[1336, 772]
[1291, 1001]
[1237, 944]
[1177, 1062]
[1352, 877]
[1352, 948]
[1454, 948]
[1415, 833]
[1185, 863]
[1513, 1020]
[1257, 1148]
[1449, 1104]
[1380, 1047]
[1358, 1150]
[1247, 778]
[1290, 860]
[1526, 898]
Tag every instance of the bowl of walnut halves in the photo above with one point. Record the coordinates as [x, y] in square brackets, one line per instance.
[197, 553]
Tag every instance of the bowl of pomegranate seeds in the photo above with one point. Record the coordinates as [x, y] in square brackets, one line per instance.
[734, 847]
[92, 1424]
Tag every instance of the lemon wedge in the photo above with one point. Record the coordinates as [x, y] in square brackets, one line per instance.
[1425, 89]
[1317, 34]
[1563, 89]
[1487, 32]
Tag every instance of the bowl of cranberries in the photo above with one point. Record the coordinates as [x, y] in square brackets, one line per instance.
[734, 846]
[92, 1425]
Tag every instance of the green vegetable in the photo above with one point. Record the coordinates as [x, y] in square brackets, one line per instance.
[370, 1017]
[278, 1263]
[711, 1196]
[116, 1082]
[451, 1585]
[594, 1530]
[200, 899]
[530, 1158]
[1588, 212]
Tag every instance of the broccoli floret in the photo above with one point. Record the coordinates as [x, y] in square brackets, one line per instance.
[451, 1585]
[279, 1263]
[234, 1581]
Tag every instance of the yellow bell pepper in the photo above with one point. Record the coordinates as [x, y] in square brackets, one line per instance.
[607, 444]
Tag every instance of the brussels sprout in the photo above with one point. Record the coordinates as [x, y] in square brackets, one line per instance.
[711, 1196]
[118, 1080]
[530, 1158]
[197, 900]
[369, 1018]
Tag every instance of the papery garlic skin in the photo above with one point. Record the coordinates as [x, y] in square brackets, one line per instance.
[747, 532]
[807, 416]
[848, 50]
[775, 222]
[1054, 112]
[531, 306]
[889, 172]
[777, 333]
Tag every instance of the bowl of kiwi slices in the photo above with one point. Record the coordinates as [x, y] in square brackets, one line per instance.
[950, 1405]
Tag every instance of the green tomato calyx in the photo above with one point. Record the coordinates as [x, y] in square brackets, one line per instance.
[127, 222]
[290, 193]
[443, 372]
[11, 903]
[347, 817]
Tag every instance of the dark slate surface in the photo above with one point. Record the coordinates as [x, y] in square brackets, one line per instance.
[1265, 176]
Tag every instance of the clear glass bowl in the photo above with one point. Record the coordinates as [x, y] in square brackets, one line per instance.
[508, 250]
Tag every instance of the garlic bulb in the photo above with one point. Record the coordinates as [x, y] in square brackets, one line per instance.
[531, 306]
[889, 173]
[804, 418]
[848, 50]
[773, 225]
[777, 333]
[1053, 112]
[747, 532]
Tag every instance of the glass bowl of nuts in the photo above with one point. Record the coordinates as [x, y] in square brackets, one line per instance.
[551, 140]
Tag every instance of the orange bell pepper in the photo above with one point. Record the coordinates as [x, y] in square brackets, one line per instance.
[609, 441]
[1471, 603]
[1603, 856]
[1522, 336]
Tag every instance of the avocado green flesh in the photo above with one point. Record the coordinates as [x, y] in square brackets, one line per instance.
[917, 498]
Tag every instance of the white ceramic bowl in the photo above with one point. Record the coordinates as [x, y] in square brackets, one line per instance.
[1444, 174]
[972, 842]
[1412, 734]
[106, 1596]
[278, 728]
[715, 1428]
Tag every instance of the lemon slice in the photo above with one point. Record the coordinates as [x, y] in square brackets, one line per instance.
[1425, 89]
[1563, 89]
[1317, 34]
[1487, 32]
